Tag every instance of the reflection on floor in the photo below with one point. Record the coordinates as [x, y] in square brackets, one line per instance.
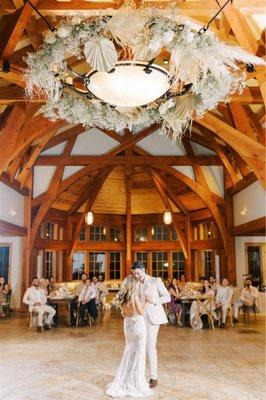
[77, 363]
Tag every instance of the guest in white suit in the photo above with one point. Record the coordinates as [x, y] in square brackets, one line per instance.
[224, 298]
[87, 301]
[153, 291]
[35, 298]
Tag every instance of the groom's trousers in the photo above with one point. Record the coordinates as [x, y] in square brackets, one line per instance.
[152, 332]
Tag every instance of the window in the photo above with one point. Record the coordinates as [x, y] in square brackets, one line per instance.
[160, 264]
[254, 264]
[48, 264]
[174, 234]
[115, 235]
[97, 233]
[97, 263]
[82, 235]
[49, 230]
[178, 264]
[115, 265]
[4, 261]
[208, 263]
[159, 232]
[141, 235]
[78, 266]
[208, 231]
[143, 257]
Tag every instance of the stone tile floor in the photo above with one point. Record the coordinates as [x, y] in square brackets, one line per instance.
[77, 363]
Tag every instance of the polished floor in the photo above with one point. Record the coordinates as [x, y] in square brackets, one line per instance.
[77, 363]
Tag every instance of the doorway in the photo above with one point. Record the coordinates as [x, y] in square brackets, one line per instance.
[4, 261]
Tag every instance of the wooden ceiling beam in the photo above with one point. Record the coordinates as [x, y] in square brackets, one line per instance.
[243, 122]
[176, 224]
[127, 159]
[14, 94]
[199, 175]
[170, 193]
[97, 184]
[50, 194]
[64, 136]
[14, 29]
[252, 152]
[32, 30]
[192, 8]
[240, 27]
[22, 177]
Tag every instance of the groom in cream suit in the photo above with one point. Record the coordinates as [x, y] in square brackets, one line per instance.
[153, 291]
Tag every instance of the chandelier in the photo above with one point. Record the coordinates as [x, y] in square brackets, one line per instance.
[118, 78]
[167, 217]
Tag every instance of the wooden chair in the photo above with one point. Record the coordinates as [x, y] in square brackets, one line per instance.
[32, 319]
[87, 319]
[205, 308]
[247, 310]
[229, 315]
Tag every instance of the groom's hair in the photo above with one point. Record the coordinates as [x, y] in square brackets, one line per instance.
[137, 264]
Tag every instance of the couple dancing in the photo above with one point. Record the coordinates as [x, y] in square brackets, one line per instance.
[140, 299]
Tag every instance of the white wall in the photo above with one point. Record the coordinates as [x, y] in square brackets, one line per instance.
[249, 204]
[11, 210]
[11, 205]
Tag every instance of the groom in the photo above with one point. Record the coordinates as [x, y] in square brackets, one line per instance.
[153, 291]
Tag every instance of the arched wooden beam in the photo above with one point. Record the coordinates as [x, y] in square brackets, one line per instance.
[176, 224]
[205, 194]
[252, 152]
[50, 194]
[22, 177]
[96, 186]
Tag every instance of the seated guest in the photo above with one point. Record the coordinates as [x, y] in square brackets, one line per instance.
[202, 280]
[249, 297]
[4, 290]
[102, 289]
[2, 282]
[195, 309]
[51, 287]
[167, 283]
[214, 284]
[224, 298]
[81, 285]
[182, 282]
[44, 283]
[36, 299]
[175, 305]
[87, 301]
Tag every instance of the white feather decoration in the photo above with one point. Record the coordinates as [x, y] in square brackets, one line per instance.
[100, 53]
[125, 25]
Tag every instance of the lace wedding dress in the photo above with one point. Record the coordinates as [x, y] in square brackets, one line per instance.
[130, 377]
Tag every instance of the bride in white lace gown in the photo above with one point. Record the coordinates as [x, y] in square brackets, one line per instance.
[130, 377]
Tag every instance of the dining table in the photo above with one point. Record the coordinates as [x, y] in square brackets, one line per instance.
[58, 302]
[186, 301]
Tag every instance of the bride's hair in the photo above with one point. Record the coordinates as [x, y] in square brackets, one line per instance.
[126, 292]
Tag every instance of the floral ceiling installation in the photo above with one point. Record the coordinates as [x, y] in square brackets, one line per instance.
[202, 71]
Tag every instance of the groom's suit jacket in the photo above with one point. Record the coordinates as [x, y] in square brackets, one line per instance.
[154, 290]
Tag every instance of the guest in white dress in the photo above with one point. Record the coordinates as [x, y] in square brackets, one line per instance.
[130, 377]
[224, 299]
[195, 310]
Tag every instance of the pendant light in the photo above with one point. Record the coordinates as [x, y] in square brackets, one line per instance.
[167, 217]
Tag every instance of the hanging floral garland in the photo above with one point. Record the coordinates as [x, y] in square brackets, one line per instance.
[198, 60]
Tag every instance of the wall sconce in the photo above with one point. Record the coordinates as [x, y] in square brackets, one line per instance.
[167, 217]
[89, 217]
[12, 211]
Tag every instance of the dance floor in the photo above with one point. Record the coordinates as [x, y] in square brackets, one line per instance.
[77, 363]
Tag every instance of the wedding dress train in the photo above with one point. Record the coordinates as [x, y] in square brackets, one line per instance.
[130, 377]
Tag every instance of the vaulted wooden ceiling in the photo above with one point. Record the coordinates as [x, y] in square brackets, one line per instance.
[65, 161]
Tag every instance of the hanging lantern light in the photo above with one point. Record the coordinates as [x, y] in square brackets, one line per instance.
[167, 217]
[89, 217]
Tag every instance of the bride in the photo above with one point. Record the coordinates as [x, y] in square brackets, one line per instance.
[130, 377]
